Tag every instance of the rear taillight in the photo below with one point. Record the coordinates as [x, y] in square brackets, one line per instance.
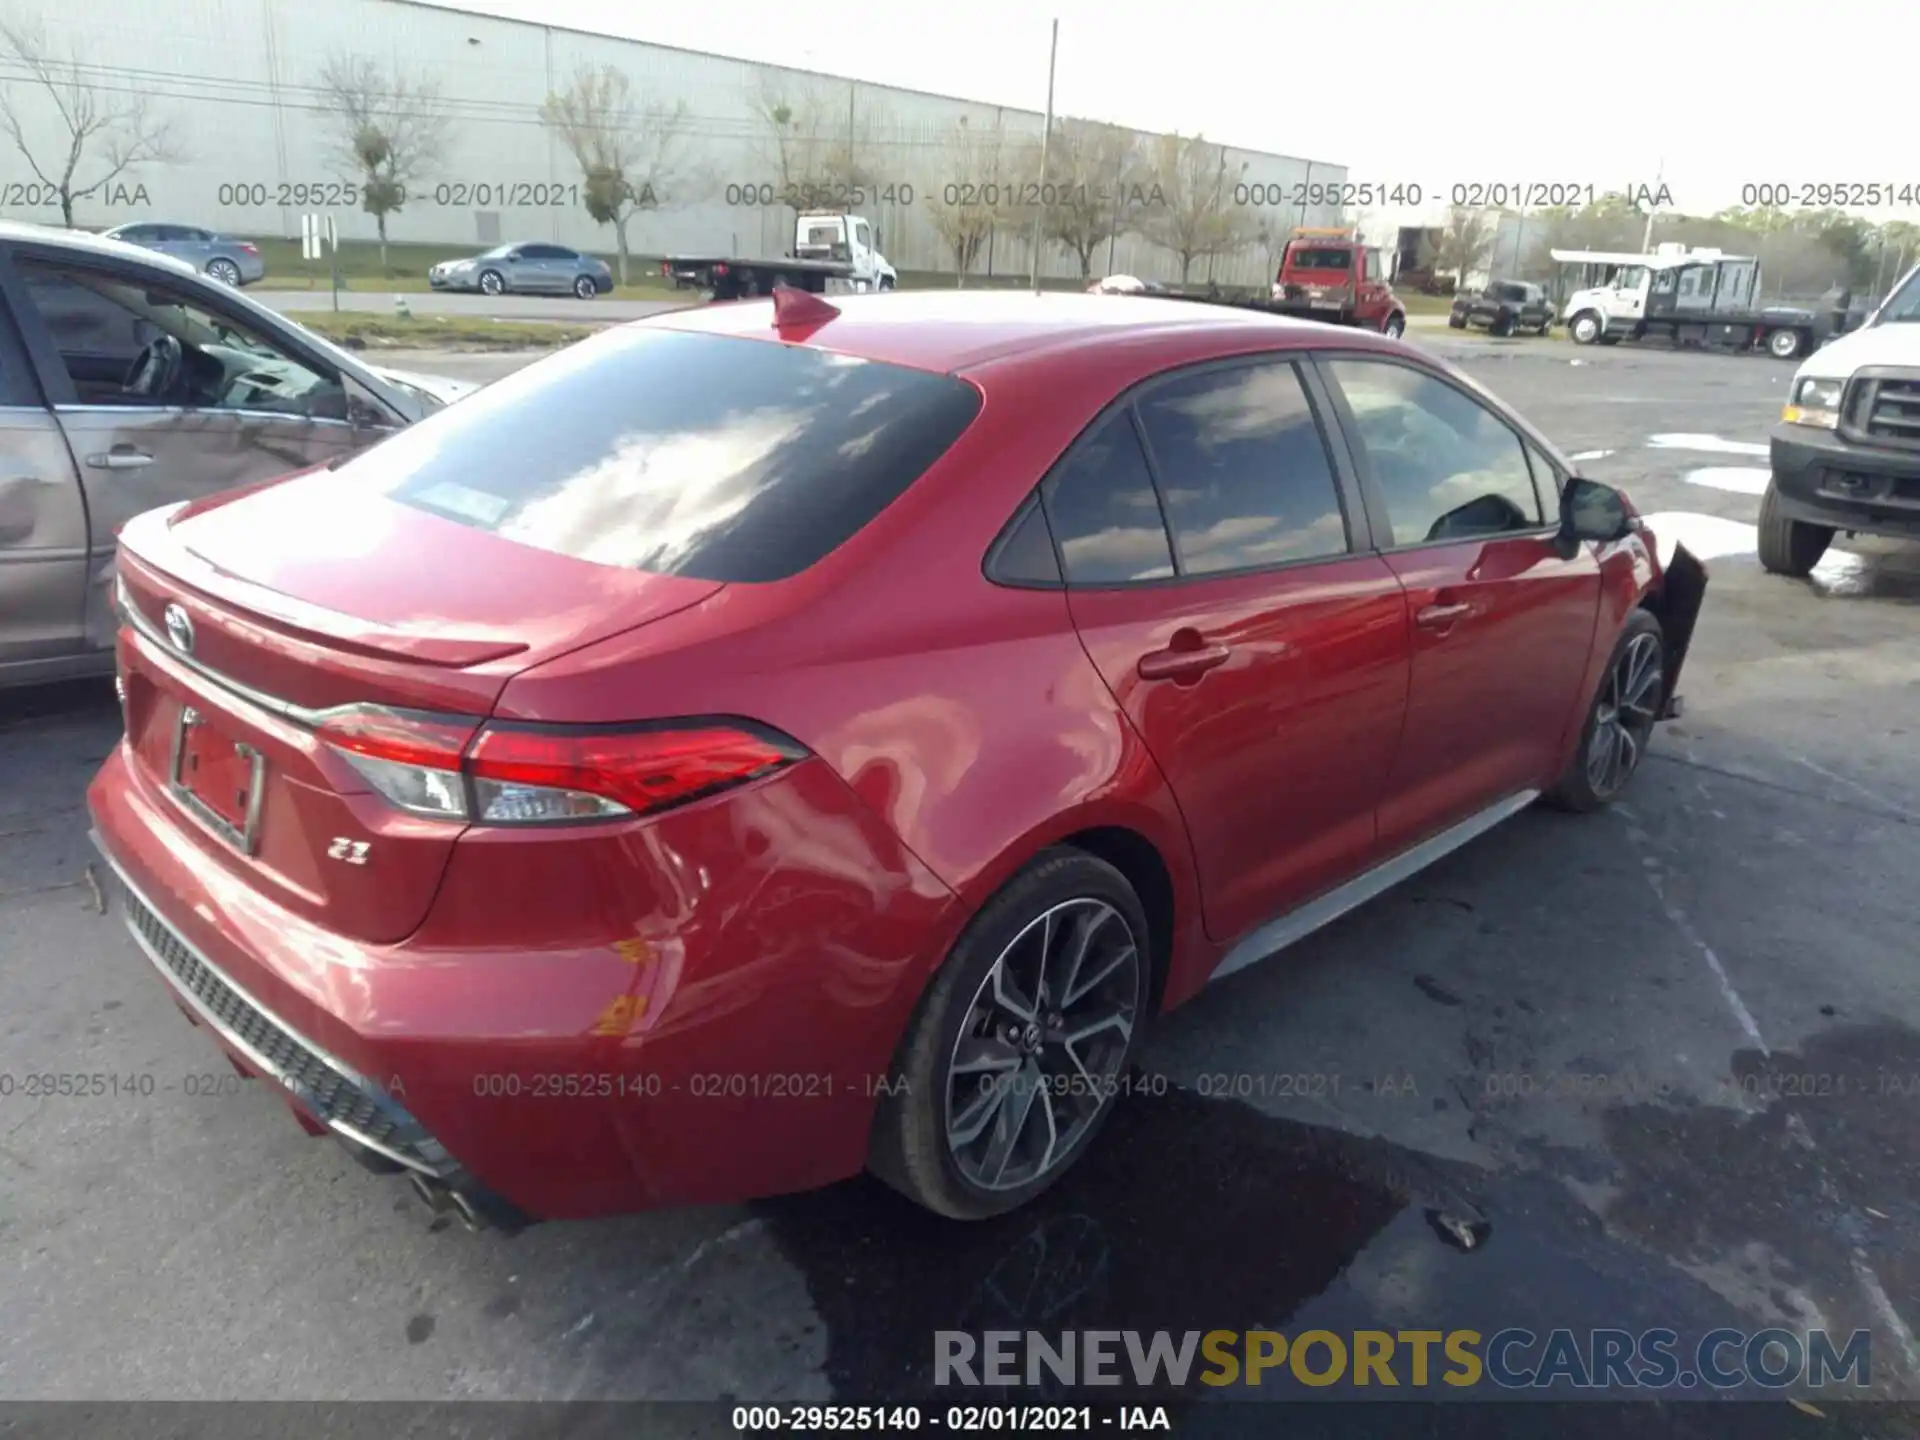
[251, 249]
[410, 758]
[460, 769]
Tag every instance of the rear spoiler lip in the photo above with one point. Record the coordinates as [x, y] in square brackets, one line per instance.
[146, 541]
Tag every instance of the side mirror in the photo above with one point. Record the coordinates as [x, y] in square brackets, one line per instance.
[1590, 511]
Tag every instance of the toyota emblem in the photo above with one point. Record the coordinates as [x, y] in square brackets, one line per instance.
[180, 629]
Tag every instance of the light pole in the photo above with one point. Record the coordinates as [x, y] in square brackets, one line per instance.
[1046, 138]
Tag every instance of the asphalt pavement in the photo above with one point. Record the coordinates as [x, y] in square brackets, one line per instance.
[1653, 1067]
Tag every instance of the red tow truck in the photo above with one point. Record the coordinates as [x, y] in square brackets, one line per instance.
[1330, 275]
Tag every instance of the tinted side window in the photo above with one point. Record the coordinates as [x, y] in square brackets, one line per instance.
[85, 321]
[1103, 511]
[1242, 469]
[708, 456]
[1447, 467]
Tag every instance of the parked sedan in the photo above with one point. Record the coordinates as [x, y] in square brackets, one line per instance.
[769, 740]
[219, 257]
[1504, 307]
[526, 269]
[129, 380]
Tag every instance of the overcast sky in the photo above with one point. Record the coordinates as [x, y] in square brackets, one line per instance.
[1721, 93]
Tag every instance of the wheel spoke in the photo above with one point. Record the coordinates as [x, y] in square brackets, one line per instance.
[1010, 1122]
[973, 1118]
[973, 1056]
[1007, 994]
[1120, 957]
[1628, 752]
[1119, 1018]
[1076, 948]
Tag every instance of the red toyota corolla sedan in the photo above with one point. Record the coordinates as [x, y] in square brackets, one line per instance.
[772, 740]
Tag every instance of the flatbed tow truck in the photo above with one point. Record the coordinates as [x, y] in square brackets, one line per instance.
[1698, 297]
[832, 254]
[1328, 275]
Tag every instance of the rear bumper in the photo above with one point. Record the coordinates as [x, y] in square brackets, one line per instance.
[733, 1050]
[1823, 478]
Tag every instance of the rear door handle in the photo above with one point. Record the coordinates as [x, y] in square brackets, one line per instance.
[1182, 664]
[121, 457]
[1442, 617]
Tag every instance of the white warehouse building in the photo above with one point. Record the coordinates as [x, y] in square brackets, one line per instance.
[238, 82]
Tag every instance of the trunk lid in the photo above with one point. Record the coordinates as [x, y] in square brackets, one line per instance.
[300, 601]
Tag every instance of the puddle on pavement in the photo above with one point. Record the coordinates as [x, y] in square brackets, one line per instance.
[1193, 1214]
[1809, 1165]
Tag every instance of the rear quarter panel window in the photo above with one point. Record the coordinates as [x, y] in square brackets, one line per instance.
[709, 456]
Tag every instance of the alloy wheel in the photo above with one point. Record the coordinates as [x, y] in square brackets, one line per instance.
[1041, 1047]
[1623, 723]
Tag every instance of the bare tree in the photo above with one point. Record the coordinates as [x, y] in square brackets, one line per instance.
[389, 129]
[820, 148]
[1464, 242]
[963, 201]
[631, 156]
[99, 138]
[1094, 189]
[1194, 216]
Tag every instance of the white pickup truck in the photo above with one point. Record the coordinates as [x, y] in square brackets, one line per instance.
[1846, 451]
[832, 253]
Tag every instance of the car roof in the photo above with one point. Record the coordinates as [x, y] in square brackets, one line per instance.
[952, 331]
[26, 233]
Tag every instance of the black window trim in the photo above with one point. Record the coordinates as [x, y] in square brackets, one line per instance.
[1375, 498]
[1346, 482]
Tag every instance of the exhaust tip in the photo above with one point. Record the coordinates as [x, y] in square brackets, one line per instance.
[469, 1216]
[437, 1198]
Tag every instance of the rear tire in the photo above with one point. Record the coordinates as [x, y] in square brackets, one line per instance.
[1785, 344]
[1502, 325]
[585, 289]
[973, 1005]
[1620, 720]
[1789, 546]
[225, 271]
[1455, 322]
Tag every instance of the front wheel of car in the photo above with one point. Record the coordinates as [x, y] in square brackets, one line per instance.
[1584, 328]
[225, 271]
[1620, 720]
[1788, 546]
[492, 283]
[1395, 326]
[1456, 322]
[1018, 1049]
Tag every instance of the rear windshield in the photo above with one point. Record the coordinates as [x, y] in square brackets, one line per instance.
[1321, 259]
[709, 456]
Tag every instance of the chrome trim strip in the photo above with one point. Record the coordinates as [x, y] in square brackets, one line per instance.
[437, 1162]
[1276, 935]
[182, 411]
[285, 709]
